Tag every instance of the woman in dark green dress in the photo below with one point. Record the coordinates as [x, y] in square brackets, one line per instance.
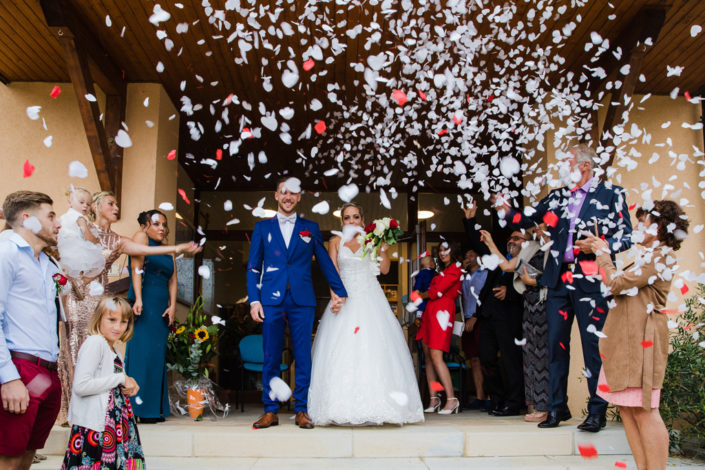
[153, 291]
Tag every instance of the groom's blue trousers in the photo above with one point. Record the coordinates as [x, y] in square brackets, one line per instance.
[300, 321]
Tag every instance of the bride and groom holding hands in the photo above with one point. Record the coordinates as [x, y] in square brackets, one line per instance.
[360, 371]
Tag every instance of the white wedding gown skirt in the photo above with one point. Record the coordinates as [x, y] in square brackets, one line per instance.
[362, 373]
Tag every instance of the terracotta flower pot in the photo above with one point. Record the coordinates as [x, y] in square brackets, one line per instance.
[195, 399]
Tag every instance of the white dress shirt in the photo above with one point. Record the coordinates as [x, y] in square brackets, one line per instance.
[286, 225]
[27, 304]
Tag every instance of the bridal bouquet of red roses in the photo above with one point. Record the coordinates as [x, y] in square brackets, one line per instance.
[380, 230]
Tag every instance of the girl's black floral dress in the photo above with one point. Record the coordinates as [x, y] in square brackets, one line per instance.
[118, 447]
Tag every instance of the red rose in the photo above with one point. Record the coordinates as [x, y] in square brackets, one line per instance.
[305, 233]
[393, 224]
[370, 227]
[59, 279]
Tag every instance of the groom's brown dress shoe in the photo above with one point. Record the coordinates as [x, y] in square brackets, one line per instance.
[303, 420]
[268, 419]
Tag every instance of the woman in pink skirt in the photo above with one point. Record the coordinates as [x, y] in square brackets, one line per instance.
[635, 349]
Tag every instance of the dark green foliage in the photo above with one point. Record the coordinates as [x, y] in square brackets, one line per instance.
[683, 393]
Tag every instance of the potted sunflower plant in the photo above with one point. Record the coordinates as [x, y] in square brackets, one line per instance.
[190, 349]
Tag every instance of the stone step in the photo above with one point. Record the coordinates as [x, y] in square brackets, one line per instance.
[468, 434]
[430, 463]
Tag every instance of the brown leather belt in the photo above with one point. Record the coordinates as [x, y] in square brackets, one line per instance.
[37, 360]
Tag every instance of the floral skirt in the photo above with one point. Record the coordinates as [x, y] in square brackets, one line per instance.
[118, 447]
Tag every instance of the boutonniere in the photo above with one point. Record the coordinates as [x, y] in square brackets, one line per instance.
[305, 235]
[60, 282]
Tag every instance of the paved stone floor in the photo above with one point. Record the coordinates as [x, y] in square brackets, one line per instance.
[468, 440]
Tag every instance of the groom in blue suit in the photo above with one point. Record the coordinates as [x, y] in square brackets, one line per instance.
[280, 291]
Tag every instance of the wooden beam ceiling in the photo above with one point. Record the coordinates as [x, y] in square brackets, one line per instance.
[120, 45]
[81, 49]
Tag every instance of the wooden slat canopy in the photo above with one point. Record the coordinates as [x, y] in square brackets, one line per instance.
[201, 60]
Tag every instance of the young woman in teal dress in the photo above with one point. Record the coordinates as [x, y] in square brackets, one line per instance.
[153, 291]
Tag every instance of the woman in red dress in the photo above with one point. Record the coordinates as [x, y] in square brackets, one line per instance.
[437, 326]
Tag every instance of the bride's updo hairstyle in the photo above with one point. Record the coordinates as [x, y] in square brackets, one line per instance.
[356, 206]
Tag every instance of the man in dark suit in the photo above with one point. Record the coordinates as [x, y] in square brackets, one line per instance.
[501, 310]
[588, 205]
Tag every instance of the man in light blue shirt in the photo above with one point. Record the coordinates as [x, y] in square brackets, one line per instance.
[472, 286]
[29, 384]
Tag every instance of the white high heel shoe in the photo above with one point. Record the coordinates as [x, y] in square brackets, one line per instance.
[431, 407]
[453, 410]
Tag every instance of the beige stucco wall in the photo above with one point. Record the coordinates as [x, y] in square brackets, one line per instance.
[22, 139]
[148, 177]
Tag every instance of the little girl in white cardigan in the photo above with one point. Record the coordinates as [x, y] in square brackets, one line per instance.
[104, 432]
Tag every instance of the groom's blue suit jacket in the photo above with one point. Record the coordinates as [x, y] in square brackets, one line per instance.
[272, 267]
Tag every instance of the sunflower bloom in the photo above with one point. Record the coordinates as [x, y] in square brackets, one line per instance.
[201, 334]
[180, 330]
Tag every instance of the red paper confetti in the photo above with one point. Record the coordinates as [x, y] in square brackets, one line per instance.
[595, 318]
[564, 314]
[688, 327]
[320, 127]
[28, 169]
[219, 154]
[576, 250]
[567, 277]
[517, 218]
[436, 386]
[443, 131]
[587, 451]
[684, 289]
[490, 98]
[562, 345]
[55, 92]
[308, 65]
[619, 464]
[246, 133]
[588, 267]
[424, 254]
[457, 119]
[357, 328]
[604, 388]
[669, 311]
[182, 193]
[400, 97]
[647, 343]
[602, 356]
[631, 208]
[172, 155]
[620, 214]
[228, 100]
[550, 219]
[687, 95]
[600, 310]
[422, 95]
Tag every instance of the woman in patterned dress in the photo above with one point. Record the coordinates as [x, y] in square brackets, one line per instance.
[84, 296]
[527, 268]
[104, 434]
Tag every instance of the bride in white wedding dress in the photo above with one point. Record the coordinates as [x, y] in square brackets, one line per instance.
[362, 371]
